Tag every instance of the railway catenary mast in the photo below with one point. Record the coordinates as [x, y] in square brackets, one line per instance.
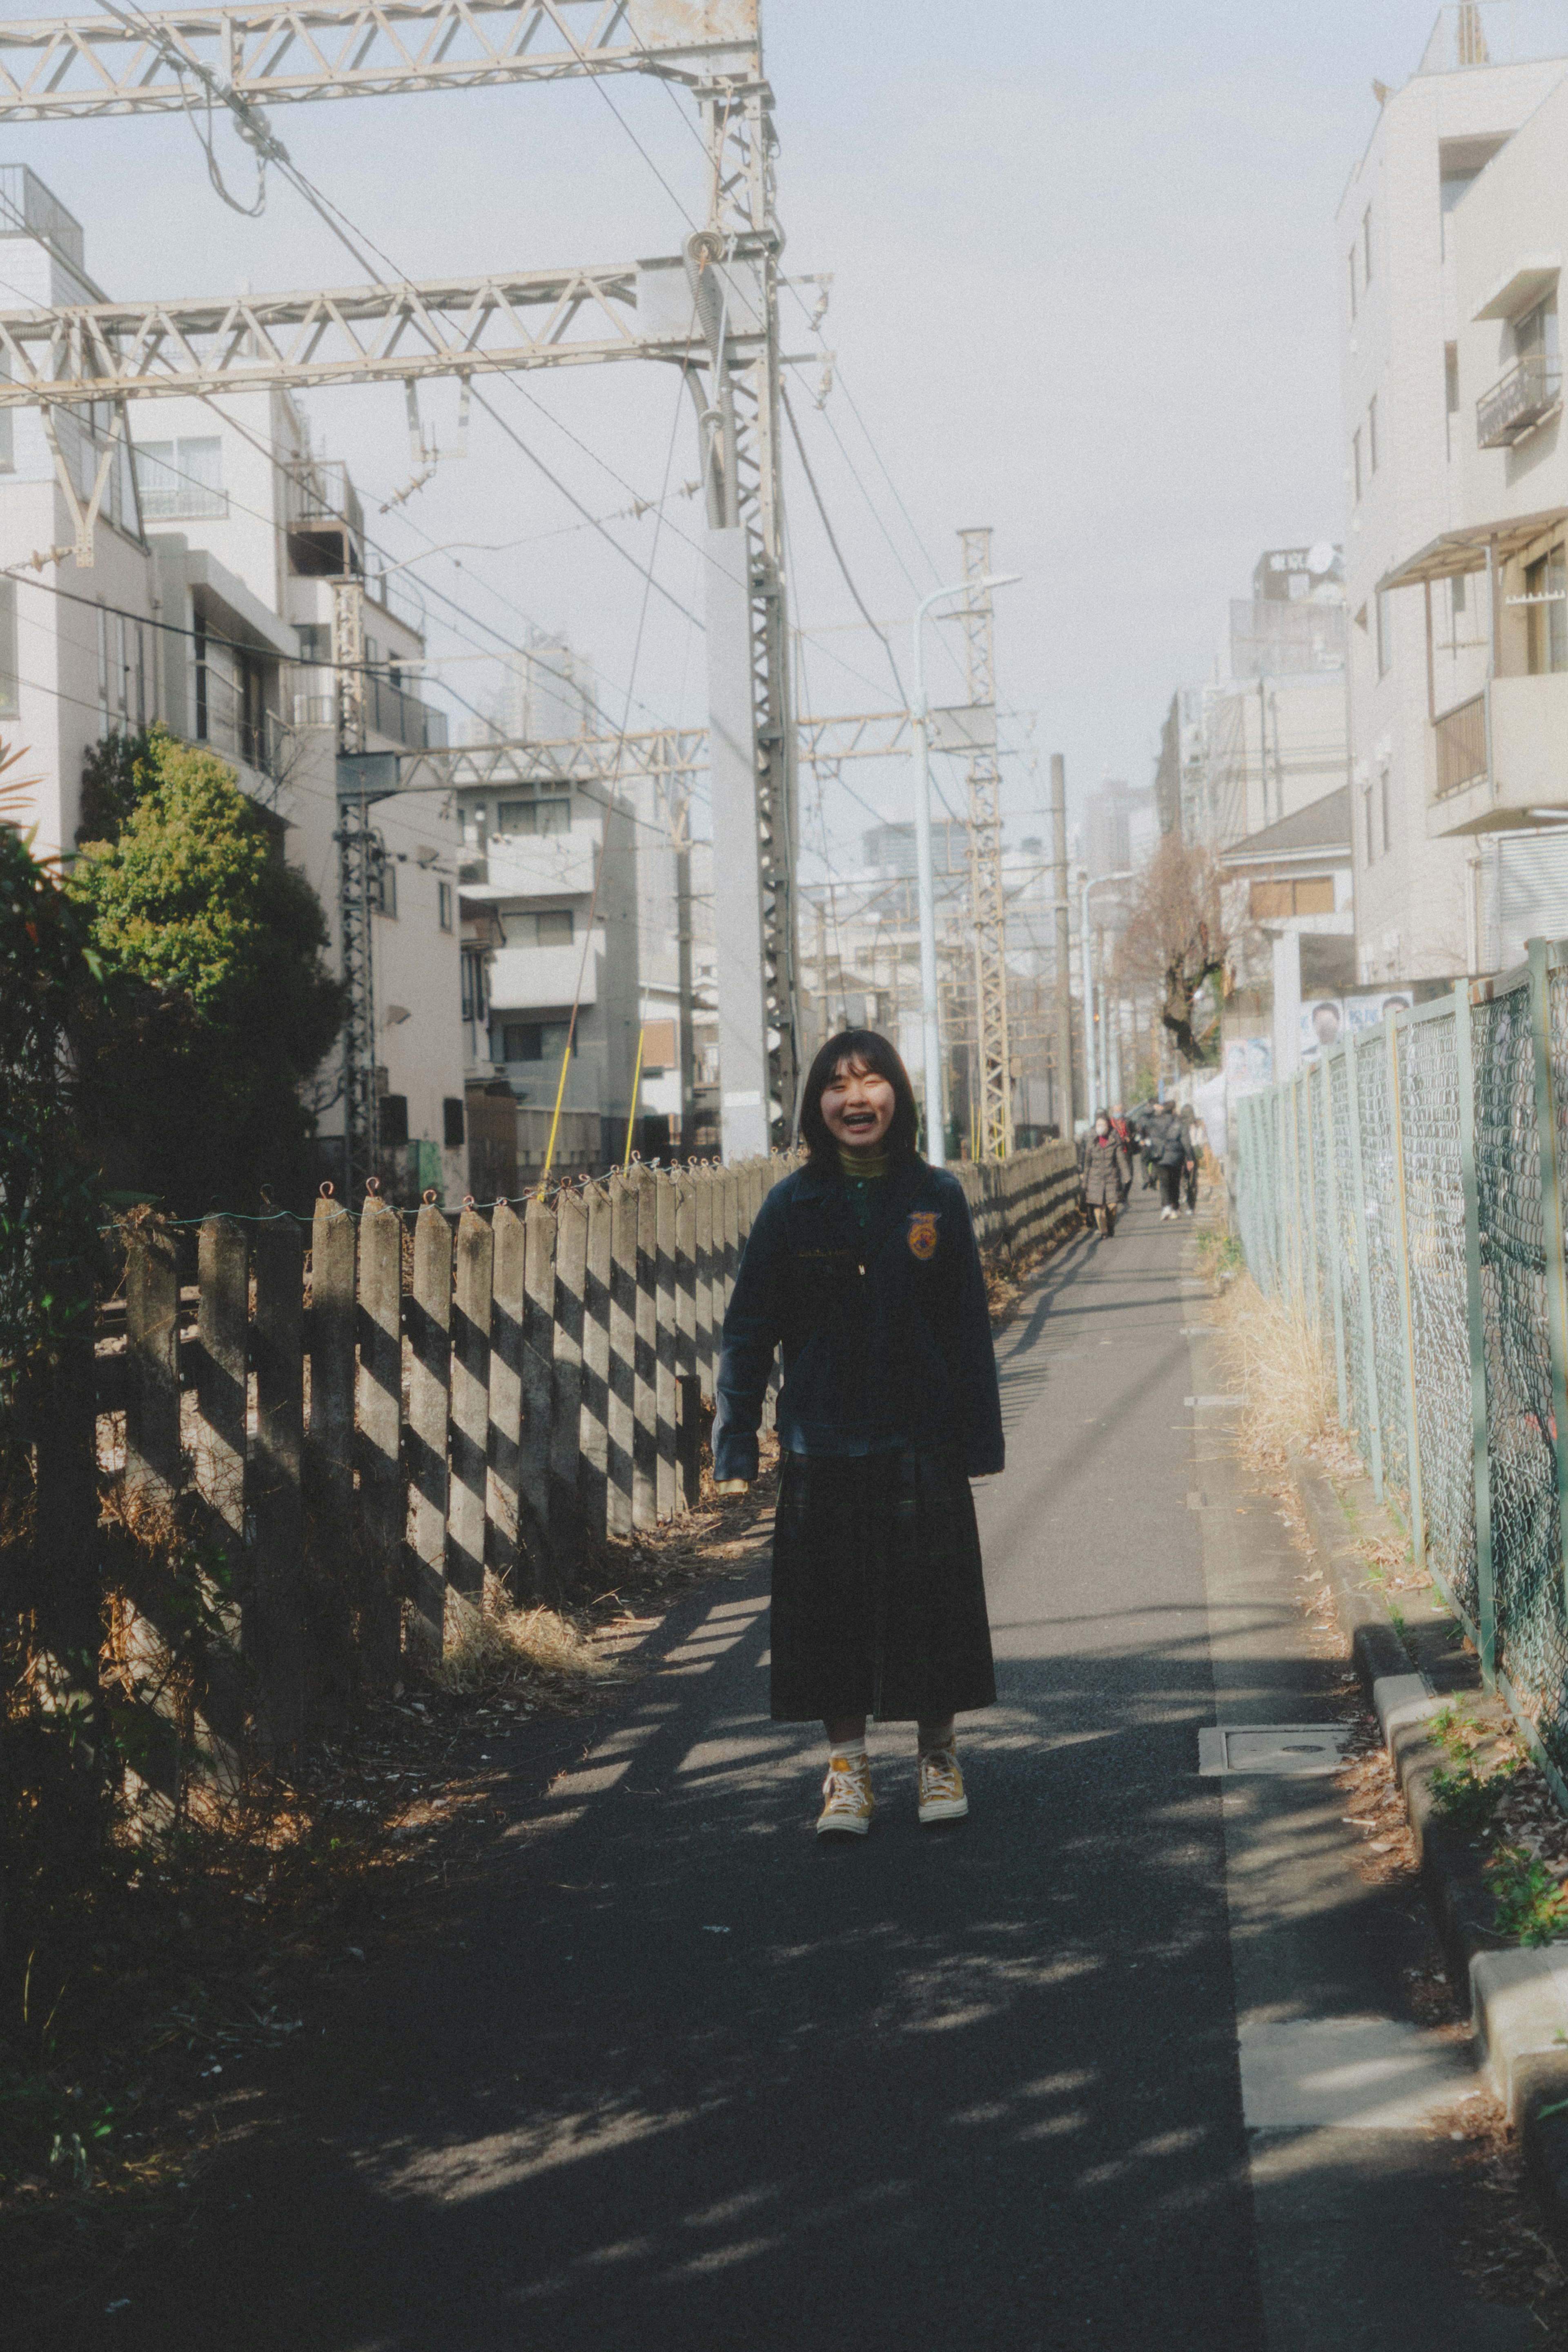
[712, 310]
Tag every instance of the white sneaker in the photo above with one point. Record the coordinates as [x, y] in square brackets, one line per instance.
[847, 1803]
[942, 1797]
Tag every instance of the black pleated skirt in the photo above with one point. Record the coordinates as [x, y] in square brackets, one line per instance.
[878, 1600]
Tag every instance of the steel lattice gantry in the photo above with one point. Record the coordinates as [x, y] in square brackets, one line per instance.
[55, 68]
[712, 310]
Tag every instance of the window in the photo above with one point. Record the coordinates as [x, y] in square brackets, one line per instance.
[444, 905]
[476, 997]
[1451, 377]
[1356, 463]
[534, 816]
[1537, 330]
[183, 477]
[1272, 900]
[534, 1041]
[391, 1119]
[1546, 616]
[550, 927]
[1384, 632]
[384, 885]
[315, 641]
[1457, 594]
[1372, 435]
[1387, 816]
[1367, 810]
[1367, 246]
[451, 1122]
[1351, 264]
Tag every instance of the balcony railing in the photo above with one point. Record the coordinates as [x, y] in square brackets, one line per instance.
[1529, 393]
[400, 716]
[1461, 746]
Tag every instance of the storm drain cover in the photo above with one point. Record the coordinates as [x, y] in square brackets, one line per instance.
[1296, 1749]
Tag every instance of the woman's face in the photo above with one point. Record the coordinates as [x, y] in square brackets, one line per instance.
[857, 1106]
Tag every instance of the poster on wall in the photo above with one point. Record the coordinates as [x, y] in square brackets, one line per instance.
[1248, 1064]
[1323, 1026]
[1367, 1012]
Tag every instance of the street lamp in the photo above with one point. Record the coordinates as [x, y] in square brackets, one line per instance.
[1091, 1074]
[931, 1044]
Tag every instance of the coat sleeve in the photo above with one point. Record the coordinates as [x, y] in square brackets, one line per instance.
[975, 1360]
[753, 1325]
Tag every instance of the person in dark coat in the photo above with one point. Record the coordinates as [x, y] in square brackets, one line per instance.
[1190, 1168]
[861, 1268]
[1173, 1154]
[1107, 1174]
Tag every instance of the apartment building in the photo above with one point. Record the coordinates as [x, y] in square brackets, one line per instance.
[1266, 735]
[208, 605]
[1449, 238]
[549, 920]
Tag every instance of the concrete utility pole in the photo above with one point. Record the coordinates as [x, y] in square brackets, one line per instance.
[1064, 910]
[987, 904]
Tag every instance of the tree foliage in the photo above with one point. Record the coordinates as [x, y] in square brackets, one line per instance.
[1177, 941]
[221, 1005]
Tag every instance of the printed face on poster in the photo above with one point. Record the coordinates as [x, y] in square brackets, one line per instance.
[1248, 1064]
[1328, 1020]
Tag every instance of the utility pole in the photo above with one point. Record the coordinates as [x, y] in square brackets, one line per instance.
[986, 901]
[1063, 912]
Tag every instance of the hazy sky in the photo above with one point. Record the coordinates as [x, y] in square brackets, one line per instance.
[1083, 290]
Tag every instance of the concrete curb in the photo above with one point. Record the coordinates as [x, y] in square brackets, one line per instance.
[1519, 1997]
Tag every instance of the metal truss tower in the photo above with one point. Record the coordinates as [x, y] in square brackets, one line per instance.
[723, 293]
[988, 904]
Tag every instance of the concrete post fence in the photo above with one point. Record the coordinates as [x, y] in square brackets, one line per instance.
[379, 1427]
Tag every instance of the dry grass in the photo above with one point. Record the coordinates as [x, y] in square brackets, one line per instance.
[504, 1648]
[1272, 1359]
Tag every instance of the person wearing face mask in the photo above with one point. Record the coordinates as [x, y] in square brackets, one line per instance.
[861, 1268]
[1107, 1174]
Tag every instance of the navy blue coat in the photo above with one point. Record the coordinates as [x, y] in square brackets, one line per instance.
[887, 1335]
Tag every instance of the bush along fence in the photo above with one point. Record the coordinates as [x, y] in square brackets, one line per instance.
[1408, 1190]
[360, 1420]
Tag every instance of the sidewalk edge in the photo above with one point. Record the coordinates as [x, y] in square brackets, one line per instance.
[1519, 1997]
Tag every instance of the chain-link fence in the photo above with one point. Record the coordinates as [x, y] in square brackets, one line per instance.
[1408, 1192]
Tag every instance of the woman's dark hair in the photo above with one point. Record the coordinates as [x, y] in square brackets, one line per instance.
[878, 1056]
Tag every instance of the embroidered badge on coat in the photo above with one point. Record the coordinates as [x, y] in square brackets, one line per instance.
[923, 1233]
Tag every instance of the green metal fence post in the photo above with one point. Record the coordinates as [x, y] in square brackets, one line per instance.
[1308, 1096]
[1402, 1270]
[1282, 1181]
[1486, 1597]
[1336, 1289]
[1552, 1220]
[1368, 1324]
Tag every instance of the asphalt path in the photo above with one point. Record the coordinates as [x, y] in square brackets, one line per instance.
[678, 2074]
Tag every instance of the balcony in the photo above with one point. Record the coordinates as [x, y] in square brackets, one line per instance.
[326, 524]
[400, 718]
[526, 979]
[1461, 738]
[1528, 770]
[1528, 394]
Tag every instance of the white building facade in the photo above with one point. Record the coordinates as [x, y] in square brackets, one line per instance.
[1431, 319]
[207, 606]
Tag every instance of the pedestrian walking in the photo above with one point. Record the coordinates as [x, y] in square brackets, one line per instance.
[861, 1267]
[1189, 1169]
[1173, 1151]
[1107, 1174]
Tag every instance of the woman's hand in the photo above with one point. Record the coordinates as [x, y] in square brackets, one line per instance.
[730, 1486]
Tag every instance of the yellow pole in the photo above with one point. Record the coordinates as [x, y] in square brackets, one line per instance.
[636, 1082]
[560, 1090]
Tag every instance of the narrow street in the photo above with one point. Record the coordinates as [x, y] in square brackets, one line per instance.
[681, 2078]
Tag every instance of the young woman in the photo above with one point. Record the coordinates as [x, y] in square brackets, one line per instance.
[1107, 1173]
[861, 1267]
